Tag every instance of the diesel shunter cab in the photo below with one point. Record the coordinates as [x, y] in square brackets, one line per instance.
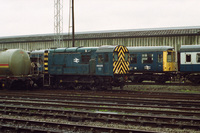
[86, 67]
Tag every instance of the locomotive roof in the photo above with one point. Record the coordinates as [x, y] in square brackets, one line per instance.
[106, 48]
[189, 48]
[150, 49]
[74, 49]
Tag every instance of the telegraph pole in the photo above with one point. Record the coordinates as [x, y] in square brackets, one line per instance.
[73, 28]
[71, 13]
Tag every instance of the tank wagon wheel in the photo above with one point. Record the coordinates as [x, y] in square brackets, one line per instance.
[71, 86]
[78, 87]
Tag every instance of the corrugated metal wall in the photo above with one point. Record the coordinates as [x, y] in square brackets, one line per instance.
[175, 41]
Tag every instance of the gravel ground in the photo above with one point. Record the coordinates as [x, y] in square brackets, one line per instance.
[164, 88]
[102, 124]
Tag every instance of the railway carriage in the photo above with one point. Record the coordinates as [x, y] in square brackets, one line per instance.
[156, 63]
[190, 62]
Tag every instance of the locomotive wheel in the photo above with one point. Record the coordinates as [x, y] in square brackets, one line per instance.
[93, 88]
[139, 80]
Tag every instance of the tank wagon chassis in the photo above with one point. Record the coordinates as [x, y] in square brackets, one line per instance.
[18, 82]
[14, 68]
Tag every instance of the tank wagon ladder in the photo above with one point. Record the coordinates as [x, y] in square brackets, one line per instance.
[46, 77]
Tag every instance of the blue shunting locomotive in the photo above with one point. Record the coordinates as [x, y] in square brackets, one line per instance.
[154, 63]
[83, 67]
[190, 62]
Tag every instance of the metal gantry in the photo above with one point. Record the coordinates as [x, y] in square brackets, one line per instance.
[58, 23]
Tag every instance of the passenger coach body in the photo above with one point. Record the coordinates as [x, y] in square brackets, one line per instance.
[155, 63]
[190, 62]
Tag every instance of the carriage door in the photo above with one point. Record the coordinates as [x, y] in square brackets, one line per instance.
[99, 66]
[106, 64]
[159, 62]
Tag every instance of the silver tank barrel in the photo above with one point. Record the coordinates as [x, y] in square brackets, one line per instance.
[14, 62]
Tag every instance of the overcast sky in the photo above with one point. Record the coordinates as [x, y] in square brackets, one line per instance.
[25, 17]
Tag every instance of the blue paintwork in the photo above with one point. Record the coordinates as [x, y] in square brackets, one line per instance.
[155, 66]
[67, 61]
[190, 68]
[105, 68]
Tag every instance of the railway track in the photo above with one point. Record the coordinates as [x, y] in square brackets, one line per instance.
[168, 83]
[105, 106]
[71, 115]
[78, 108]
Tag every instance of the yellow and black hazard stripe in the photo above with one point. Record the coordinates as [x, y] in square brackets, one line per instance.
[46, 61]
[121, 65]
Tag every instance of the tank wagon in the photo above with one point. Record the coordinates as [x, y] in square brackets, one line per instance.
[156, 63]
[190, 63]
[14, 67]
[83, 67]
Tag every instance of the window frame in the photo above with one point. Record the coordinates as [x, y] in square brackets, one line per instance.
[188, 58]
[147, 58]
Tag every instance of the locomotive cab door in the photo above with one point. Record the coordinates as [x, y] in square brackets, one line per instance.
[102, 66]
[106, 64]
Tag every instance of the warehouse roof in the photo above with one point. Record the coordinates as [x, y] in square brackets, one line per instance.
[154, 32]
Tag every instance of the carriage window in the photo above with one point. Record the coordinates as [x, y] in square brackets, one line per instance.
[133, 58]
[160, 58]
[106, 57]
[170, 57]
[188, 57]
[115, 56]
[85, 59]
[198, 57]
[147, 58]
[100, 59]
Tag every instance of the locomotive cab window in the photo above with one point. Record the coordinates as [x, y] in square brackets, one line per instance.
[85, 59]
[133, 58]
[115, 56]
[100, 58]
[147, 58]
[198, 57]
[188, 57]
[170, 57]
[126, 56]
